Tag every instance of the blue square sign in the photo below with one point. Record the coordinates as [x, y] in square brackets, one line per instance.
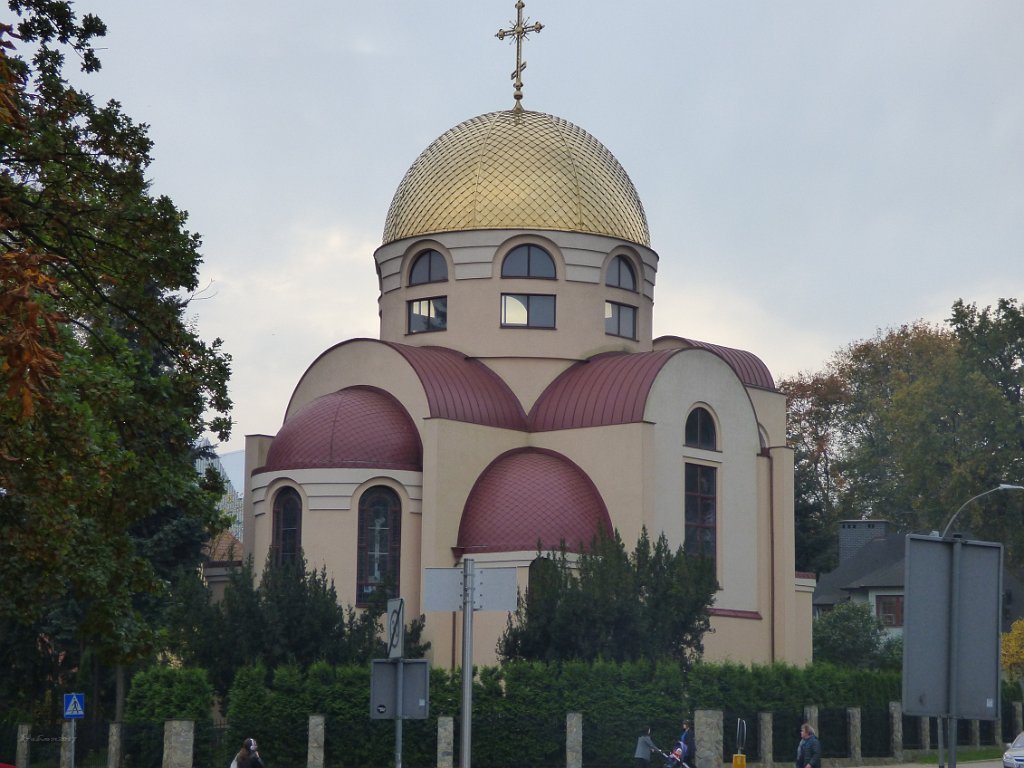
[74, 706]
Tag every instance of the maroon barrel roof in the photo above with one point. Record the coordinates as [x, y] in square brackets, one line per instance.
[531, 496]
[354, 427]
[462, 389]
[611, 388]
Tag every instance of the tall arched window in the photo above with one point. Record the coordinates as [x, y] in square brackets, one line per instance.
[379, 546]
[700, 430]
[528, 261]
[286, 542]
[428, 267]
[701, 510]
[621, 274]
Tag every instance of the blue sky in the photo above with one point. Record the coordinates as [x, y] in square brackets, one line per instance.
[812, 171]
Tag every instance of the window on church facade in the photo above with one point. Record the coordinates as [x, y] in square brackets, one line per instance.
[889, 610]
[528, 261]
[701, 510]
[700, 430]
[286, 542]
[621, 274]
[428, 314]
[379, 545]
[429, 267]
[619, 320]
[527, 310]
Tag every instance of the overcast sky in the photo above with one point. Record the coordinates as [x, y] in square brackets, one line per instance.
[812, 171]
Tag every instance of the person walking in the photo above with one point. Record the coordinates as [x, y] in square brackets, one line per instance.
[686, 741]
[248, 756]
[808, 751]
[644, 747]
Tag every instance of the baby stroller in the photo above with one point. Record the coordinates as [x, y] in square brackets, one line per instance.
[677, 757]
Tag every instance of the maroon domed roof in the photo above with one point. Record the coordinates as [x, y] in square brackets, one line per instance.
[750, 369]
[529, 496]
[354, 427]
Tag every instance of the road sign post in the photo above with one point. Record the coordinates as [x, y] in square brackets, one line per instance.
[74, 710]
[468, 590]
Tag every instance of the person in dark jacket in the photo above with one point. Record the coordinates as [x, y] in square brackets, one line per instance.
[248, 756]
[808, 751]
[686, 740]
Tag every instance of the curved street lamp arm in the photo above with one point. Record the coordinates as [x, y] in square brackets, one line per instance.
[1000, 487]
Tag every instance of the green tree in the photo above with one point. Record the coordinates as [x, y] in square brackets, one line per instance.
[907, 425]
[610, 604]
[849, 636]
[105, 385]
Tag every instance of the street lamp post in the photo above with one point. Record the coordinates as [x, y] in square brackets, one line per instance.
[1000, 487]
[953, 624]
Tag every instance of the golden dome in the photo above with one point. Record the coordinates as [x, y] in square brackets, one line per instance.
[517, 170]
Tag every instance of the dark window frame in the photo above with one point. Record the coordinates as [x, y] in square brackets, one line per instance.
[430, 328]
[535, 257]
[613, 277]
[434, 259]
[700, 510]
[286, 537]
[701, 431]
[889, 606]
[529, 311]
[366, 585]
[617, 307]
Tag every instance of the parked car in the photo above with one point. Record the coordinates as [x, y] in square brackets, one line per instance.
[1013, 757]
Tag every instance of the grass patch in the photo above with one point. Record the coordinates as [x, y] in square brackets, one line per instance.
[964, 755]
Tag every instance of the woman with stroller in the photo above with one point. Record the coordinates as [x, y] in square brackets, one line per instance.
[644, 747]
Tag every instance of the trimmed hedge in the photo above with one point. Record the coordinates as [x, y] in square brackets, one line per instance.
[520, 708]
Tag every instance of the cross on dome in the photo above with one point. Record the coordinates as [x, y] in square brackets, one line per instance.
[520, 29]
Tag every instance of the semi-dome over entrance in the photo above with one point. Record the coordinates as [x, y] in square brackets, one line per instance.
[517, 170]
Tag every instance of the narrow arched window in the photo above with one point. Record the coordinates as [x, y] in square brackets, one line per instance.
[379, 546]
[286, 542]
[621, 274]
[528, 261]
[700, 430]
[428, 267]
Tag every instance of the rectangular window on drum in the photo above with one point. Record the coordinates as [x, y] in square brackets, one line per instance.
[428, 314]
[527, 310]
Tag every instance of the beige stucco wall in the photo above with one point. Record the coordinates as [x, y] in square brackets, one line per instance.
[475, 285]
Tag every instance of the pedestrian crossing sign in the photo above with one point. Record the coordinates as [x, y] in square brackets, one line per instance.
[74, 705]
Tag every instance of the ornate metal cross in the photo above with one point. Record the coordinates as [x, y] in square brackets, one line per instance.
[520, 30]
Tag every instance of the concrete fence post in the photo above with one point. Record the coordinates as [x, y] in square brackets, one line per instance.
[766, 739]
[853, 735]
[975, 733]
[811, 716]
[315, 748]
[896, 723]
[445, 742]
[925, 724]
[574, 740]
[179, 741]
[24, 752]
[67, 744]
[1018, 718]
[708, 728]
[115, 748]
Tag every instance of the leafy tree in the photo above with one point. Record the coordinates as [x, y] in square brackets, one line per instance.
[1012, 653]
[610, 604]
[907, 425]
[105, 386]
[850, 636]
[290, 618]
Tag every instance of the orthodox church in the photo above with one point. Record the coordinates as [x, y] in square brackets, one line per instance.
[516, 399]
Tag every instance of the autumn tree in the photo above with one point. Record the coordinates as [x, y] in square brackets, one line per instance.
[105, 386]
[1012, 653]
[907, 425]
